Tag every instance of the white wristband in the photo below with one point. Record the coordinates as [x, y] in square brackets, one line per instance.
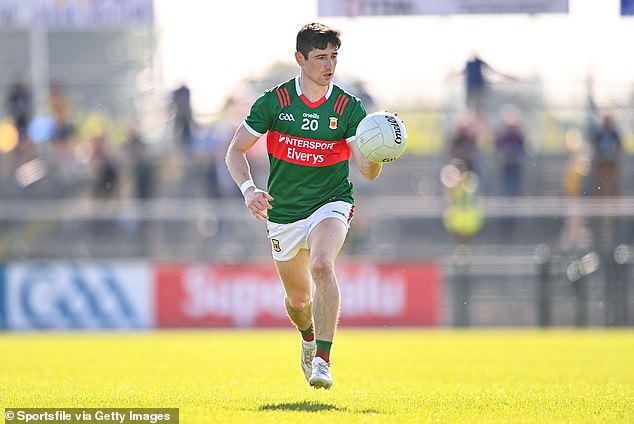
[246, 185]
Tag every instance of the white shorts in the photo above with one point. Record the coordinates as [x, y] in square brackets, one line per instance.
[287, 239]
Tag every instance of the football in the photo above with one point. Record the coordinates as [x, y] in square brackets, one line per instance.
[381, 137]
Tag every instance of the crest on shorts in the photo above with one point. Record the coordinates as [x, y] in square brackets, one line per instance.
[332, 124]
[276, 245]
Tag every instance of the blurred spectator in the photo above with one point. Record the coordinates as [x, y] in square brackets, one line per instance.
[206, 149]
[106, 183]
[27, 167]
[143, 172]
[463, 143]
[463, 215]
[183, 115]
[61, 111]
[510, 150]
[607, 149]
[66, 173]
[107, 178]
[476, 83]
[20, 106]
[577, 167]
[575, 234]
[476, 74]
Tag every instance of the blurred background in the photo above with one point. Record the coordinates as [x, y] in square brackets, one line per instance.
[512, 206]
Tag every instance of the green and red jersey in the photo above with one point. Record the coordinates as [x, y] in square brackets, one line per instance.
[307, 144]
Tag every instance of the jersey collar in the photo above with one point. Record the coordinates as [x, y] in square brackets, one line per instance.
[305, 99]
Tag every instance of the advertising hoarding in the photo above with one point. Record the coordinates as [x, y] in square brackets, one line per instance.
[435, 7]
[201, 295]
[68, 295]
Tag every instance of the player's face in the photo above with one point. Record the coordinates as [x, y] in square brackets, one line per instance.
[320, 65]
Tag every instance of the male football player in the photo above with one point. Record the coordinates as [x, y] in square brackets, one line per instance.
[310, 126]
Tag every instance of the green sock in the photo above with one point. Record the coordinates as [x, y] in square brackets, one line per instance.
[323, 350]
[308, 334]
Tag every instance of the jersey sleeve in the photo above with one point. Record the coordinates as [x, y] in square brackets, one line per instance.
[357, 113]
[261, 116]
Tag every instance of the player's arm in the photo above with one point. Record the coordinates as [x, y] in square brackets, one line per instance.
[369, 170]
[257, 200]
[488, 68]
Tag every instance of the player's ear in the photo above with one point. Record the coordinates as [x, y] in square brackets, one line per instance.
[299, 58]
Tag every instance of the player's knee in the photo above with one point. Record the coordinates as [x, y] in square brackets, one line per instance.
[321, 266]
[298, 302]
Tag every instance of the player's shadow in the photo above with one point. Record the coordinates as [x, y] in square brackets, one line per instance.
[306, 406]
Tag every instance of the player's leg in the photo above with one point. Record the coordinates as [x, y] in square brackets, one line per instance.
[325, 242]
[297, 281]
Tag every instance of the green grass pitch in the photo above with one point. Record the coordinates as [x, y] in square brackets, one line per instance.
[389, 375]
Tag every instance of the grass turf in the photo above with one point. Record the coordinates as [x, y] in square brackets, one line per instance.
[380, 375]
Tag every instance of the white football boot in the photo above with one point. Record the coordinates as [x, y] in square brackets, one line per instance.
[320, 378]
[308, 353]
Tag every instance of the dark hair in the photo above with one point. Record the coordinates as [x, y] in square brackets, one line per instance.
[316, 36]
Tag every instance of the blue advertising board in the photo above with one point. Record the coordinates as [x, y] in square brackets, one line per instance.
[76, 295]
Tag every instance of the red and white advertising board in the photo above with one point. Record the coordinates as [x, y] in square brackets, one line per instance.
[251, 295]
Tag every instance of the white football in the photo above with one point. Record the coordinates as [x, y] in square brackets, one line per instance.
[381, 137]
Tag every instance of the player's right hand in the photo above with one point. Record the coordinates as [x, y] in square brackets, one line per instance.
[257, 202]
